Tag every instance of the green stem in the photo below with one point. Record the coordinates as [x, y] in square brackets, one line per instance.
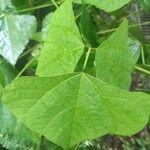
[30, 50]
[2, 15]
[54, 3]
[86, 58]
[142, 55]
[130, 26]
[34, 8]
[142, 70]
[25, 67]
[37, 7]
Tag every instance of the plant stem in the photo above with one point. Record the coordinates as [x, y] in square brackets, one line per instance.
[37, 7]
[78, 15]
[142, 70]
[130, 26]
[34, 8]
[86, 58]
[2, 15]
[54, 3]
[142, 55]
[30, 50]
[42, 146]
[25, 67]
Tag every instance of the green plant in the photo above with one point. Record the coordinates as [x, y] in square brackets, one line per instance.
[81, 89]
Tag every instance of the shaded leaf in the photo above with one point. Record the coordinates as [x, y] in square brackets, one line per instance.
[46, 24]
[8, 72]
[5, 5]
[106, 5]
[15, 32]
[87, 28]
[72, 108]
[14, 135]
[63, 47]
[135, 48]
[114, 61]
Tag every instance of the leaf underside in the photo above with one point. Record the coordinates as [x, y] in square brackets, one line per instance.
[11, 27]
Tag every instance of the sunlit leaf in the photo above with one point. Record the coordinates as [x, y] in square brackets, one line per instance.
[72, 108]
[63, 46]
[114, 61]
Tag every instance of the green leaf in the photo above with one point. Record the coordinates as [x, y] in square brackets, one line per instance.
[106, 5]
[15, 32]
[46, 23]
[8, 72]
[5, 5]
[75, 107]
[135, 48]
[87, 28]
[14, 135]
[114, 61]
[63, 47]
[144, 4]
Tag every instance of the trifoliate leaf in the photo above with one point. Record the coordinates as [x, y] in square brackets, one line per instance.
[72, 108]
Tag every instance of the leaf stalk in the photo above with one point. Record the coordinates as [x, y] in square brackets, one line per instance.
[86, 58]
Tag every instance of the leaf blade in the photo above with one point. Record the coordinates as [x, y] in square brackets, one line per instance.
[12, 26]
[80, 107]
[114, 61]
[63, 47]
[106, 5]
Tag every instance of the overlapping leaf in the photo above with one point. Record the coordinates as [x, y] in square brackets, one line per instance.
[63, 46]
[15, 31]
[13, 134]
[114, 61]
[8, 72]
[71, 108]
[5, 4]
[106, 5]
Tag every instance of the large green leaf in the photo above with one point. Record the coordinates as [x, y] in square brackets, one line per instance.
[63, 46]
[114, 61]
[72, 108]
[106, 5]
[15, 32]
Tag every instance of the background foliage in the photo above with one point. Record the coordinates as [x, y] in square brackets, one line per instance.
[24, 27]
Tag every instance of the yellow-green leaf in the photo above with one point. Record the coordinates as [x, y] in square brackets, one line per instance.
[72, 108]
[114, 60]
[63, 46]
